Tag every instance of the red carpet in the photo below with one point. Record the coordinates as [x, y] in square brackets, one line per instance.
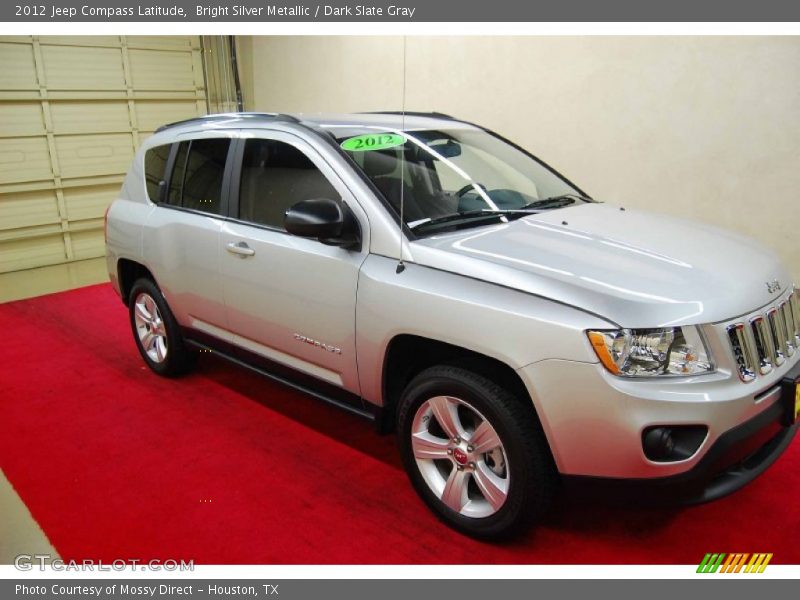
[225, 467]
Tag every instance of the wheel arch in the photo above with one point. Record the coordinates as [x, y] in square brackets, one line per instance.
[128, 271]
[407, 355]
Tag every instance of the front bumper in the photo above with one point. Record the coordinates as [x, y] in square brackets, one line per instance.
[744, 452]
[594, 423]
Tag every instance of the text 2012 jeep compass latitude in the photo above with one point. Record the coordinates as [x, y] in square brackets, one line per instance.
[511, 329]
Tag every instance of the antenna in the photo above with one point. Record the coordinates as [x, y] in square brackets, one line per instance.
[400, 265]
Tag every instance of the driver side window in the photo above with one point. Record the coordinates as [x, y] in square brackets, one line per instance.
[275, 176]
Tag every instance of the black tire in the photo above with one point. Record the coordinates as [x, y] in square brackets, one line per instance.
[532, 477]
[178, 358]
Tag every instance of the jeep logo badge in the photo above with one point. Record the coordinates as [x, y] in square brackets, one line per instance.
[773, 286]
[460, 456]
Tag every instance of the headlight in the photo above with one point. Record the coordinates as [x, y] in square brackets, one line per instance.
[652, 352]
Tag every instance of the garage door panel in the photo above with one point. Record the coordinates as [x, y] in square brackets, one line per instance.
[24, 159]
[161, 42]
[101, 97]
[89, 202]
[111, 41]
[28, 209]
[151, 115]
[17, 67]
[161, 70]
[90, 117]
[87, 155]
[21, 118]
[88, 244]
[100, 68]
[87, 95]
[31, 252]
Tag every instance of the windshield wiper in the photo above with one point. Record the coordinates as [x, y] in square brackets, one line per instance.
[488, 213]
[484, 213]
[557, 201]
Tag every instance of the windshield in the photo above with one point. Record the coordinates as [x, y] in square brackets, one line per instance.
[454, 178]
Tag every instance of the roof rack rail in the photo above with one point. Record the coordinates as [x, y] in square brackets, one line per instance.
[410, 113]
[224, 116]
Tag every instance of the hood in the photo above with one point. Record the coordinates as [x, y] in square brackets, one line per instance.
[634, 268]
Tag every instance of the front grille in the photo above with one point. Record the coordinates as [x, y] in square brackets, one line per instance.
[766, 340]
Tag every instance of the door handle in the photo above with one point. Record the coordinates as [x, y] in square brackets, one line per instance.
[240, 248]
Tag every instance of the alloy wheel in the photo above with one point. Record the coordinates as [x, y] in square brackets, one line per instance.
[150, 327]
[460, 456]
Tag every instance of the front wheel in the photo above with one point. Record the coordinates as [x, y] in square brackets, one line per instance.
[474, 453]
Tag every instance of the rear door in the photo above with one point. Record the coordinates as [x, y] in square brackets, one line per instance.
[181, 241]
[289, 299]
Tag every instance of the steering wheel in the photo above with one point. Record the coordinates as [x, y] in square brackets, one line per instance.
[469, 188]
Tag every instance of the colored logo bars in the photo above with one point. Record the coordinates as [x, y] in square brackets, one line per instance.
[734, 563]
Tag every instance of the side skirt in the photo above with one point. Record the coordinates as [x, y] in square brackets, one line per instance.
[284, 375]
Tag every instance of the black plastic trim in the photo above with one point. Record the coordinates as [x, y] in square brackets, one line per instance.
[789, 384]
[232, 191]
[287, 376]
[170, 166]
[734, 479]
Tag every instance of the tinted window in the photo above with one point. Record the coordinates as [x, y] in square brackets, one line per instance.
[155, 164]
[178, 171]
[276, 175]
[202, 180]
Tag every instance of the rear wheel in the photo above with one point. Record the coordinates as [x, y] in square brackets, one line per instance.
[156, 332]
[474, 453]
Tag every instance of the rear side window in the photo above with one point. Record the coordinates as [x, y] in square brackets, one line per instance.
[196, 181]
[276, 175]
[202, 182]
[155, 166]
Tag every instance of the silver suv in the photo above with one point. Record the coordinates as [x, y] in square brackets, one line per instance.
[436, 278]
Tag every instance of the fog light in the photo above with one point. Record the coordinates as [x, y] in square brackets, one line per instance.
[658, 443]
[671, 443]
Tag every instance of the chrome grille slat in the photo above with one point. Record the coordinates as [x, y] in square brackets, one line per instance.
[777, 327]
[742, 352]
[764, 341]
[788, 321]
[765, 351]
[794, 301]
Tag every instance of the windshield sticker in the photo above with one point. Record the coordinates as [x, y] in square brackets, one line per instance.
[373, 141]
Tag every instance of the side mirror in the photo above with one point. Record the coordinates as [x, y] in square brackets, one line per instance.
[324, 219]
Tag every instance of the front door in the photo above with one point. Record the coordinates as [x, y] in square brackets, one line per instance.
[289, 299]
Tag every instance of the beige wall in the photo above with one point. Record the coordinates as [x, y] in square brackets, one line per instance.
[703, 127]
